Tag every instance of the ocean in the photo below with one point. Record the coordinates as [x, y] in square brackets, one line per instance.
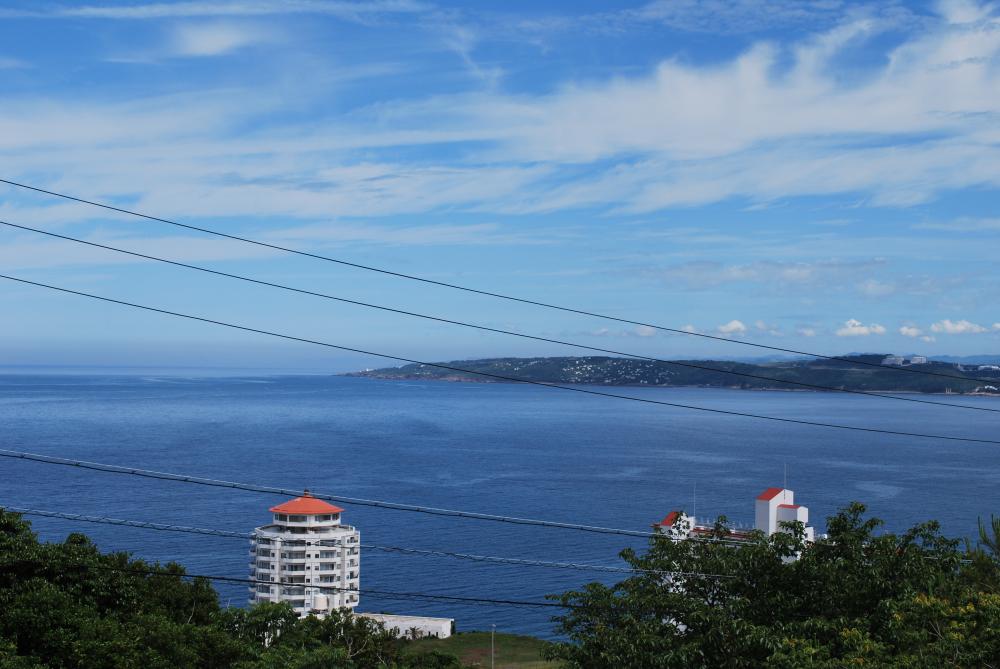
[493, 448]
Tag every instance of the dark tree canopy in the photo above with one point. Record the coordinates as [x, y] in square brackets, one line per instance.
[855, 598]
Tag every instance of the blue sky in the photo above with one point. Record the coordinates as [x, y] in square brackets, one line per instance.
[821, 175]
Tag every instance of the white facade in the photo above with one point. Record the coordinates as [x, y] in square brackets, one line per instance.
[772, 507]
[777, 505]
[899, 360]
[408, 627]
[306, 557]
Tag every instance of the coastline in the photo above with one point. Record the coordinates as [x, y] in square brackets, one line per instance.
[464, 379]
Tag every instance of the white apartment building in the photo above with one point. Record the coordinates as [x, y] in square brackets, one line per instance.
[306, 557]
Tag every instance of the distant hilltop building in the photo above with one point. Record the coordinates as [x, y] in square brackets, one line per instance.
[771, 508]
[306, 557]
[902, 361]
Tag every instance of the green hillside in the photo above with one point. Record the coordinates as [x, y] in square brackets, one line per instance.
[852, 374]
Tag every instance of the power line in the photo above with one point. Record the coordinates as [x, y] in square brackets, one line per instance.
[492, 329]
[467, 289]
[384, 594]
[519, 562]
[585, 391]
[287, 492]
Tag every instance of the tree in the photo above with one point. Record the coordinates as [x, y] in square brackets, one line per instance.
[855, 597]
[67, 605]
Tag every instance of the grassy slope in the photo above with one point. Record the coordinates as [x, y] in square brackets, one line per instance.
[473, 648]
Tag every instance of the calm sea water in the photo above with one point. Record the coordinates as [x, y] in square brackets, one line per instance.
[502, 449]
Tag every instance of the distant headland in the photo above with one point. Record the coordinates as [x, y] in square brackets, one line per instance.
[854, 372]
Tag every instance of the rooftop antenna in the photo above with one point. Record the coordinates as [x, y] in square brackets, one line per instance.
[784, 485]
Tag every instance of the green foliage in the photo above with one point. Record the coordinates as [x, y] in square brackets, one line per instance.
[856, 598]
[67, 605]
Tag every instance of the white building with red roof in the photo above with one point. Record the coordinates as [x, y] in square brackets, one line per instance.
[772, 507]
[306, 557]
[775, 506]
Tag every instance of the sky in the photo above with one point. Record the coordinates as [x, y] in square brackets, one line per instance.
[821, 176]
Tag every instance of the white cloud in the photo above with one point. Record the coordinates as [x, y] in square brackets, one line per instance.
[11, 63]
[776, 121]
[929, 339]
[759, 126]
[214, 39]
[957, 327]
[806, 332]
[689, 328]
[733, 327]
[996, 326]
[910, 331]
[645, 331]
[855, 328]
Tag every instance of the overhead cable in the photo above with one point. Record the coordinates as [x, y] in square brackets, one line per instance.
[477, 291]
[518, 562]
[549, 340]
[383, 594]
[501, 377]
[287, 492]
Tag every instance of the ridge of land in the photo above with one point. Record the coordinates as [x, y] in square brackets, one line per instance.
[849, 374]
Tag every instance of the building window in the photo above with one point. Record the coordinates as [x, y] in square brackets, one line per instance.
[296, 519]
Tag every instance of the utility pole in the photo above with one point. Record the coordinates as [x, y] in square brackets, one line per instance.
[493, 653]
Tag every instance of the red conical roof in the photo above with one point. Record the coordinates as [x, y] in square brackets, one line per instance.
[307, 505]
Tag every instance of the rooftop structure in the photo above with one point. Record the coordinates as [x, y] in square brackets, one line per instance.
[772, 507]
[306, 557]
[413, 627]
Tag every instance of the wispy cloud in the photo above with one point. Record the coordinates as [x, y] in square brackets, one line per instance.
[964, 224]
[707, 274]
[876, 288]
[12, 63]
[215, 39]
[745, 16]
[773, 122]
